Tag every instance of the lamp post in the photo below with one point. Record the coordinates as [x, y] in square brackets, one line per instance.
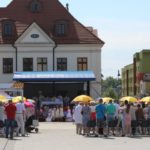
[118, 84]
[118, 74]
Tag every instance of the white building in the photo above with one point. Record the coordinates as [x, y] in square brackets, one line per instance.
[41, 36]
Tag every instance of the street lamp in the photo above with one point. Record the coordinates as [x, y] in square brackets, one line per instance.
[118, 84]
[118, 74]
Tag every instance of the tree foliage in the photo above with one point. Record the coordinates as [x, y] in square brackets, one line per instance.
[111, 87]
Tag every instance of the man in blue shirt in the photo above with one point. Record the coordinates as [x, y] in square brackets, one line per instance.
[100, 117]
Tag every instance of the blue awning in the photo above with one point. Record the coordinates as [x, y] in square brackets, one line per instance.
[48, 76]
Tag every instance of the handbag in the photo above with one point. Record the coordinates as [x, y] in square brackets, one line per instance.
[1, 124]
[35, 122]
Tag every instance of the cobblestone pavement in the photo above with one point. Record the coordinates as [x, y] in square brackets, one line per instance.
[57, 136]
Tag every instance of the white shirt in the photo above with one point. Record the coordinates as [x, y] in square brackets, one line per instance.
[20, 108]
[117, 109]
[92, 108]
[77, 116]
[2, 114]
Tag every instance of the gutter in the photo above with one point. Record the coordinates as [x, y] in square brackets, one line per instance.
[16, 54]
[55, 46]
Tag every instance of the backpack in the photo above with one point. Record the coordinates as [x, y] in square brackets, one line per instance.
[1, 124]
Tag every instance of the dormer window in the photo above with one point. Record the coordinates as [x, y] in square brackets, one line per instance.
[7, 29]
[61, 28]
[35, 6]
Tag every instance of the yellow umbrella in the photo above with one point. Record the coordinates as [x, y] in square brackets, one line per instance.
[82, 98]
[106, 99]
[3, 99]
[18, 98]
[129, 99]
[145, 99]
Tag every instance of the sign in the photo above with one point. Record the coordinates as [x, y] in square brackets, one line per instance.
[18, 85]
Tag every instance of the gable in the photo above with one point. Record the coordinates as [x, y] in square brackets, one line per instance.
[34, 35]
[46, 16]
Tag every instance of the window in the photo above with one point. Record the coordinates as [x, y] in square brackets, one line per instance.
[7, 29]
[61, 64]
[7, 65]
[27, 64]
[42, 64]
[61, 28]
[35, 6]
[82, 63]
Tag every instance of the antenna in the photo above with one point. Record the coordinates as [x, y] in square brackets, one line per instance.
[67, 6]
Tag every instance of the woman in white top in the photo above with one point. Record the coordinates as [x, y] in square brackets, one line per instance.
[69, 115]
[57, 113]
[61, 112]
[2, 113]
[145, 110]
[2, 118]
[77, 116]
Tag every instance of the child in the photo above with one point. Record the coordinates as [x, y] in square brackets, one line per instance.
[69, 115]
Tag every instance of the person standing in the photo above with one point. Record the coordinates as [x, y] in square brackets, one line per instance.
[2, 118]
[100, 117]
[10, 110]
[20, 116]
[77, 116]
[110, 111]
[133, 119]
[69, 115]
[139, 117]
[86, 111]
[92, 122]
[127, 115]
[2, 114]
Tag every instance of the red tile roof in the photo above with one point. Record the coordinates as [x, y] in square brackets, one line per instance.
[52, 10]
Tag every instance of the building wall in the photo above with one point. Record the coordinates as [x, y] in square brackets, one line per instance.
[127, 80]
[6, 51]
[142, 66]
[38, 36]
[72, 52]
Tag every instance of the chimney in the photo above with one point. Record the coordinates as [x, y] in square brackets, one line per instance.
[67, 6]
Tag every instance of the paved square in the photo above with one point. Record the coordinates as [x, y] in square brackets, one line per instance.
[57, 136]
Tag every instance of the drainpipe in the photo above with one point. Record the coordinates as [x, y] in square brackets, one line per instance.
[53, 84]
[16, 53]
[54, 56]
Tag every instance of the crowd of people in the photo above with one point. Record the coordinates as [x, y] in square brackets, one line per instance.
[124, 119]
[51, 113]
[94, 118]
[13, 118]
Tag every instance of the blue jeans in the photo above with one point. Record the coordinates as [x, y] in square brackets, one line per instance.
[10, 127]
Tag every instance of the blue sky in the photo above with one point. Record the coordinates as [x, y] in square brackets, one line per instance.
[124, 26]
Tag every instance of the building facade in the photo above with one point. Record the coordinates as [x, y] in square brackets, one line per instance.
[136, 76]
[42, 36]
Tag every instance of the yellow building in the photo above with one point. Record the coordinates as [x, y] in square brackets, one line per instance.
[127, 80]
[136, 76]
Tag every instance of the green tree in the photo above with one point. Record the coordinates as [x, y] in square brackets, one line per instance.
[111, 87]
[110, 92]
